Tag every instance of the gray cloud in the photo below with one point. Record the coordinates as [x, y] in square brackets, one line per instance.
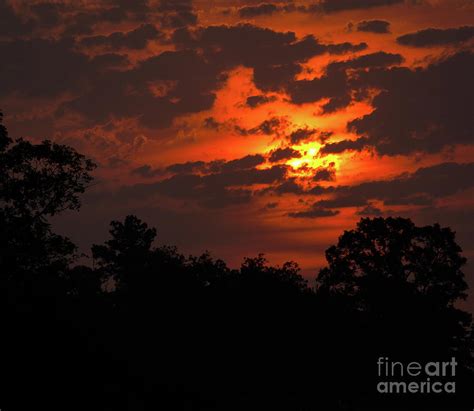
[264, 9]
[135, 39]
[422, 187]
[283, 154]
[314, 212]
[422, 110]
[258, 100]
[437, 37]
[341, 146]
[374, 26]
[332, 6]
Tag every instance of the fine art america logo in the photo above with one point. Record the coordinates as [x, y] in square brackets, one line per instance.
[437, 377]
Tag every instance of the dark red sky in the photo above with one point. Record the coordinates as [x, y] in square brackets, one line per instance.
[243, 127]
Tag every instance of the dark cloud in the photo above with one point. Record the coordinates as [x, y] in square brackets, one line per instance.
[177, 13]
[314, 212]
[343, 48]
[211, 123]
[301, 135]
[42, 67]
[289, 186]
[188, 167]
[264, 9]
[273, 78]
[245, 177]
[420, 110]
[266, 127]
[283, 154]
[135, 39]
[248, 162]
[377, 59]
[110, 61]
[325, 173]
[83, 20]
[128, 93]
[374, 26]
[422, 187]
[322, 6]
[207, 52]
[437, 37]
[47, 14]
[244, 163]
[271, 206]
[332, 6]
[146, 171]
[335, 83]
[369, 211]
[134, 6]
[258, 100]
[219, 189]
[275, 57]
[341, 146]
[11, 24]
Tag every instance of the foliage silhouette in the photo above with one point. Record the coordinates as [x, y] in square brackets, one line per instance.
[149, 328]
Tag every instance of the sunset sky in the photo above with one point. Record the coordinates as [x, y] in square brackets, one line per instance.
[242, 127]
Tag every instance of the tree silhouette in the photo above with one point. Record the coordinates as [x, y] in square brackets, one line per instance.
[385, 253]
[37, 181]
[400, 284]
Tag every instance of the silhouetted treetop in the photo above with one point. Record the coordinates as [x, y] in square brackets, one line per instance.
[393, 252]
[4, 139]
[128, 250]
[42, 179]
[37, 181]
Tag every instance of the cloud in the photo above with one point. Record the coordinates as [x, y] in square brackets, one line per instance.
[264, 9]
[301, 135]
[227, 187]
[421, 110]
[374, 26]
[47, 14]
[266, 127]
[110, 61]
[135, 39]
[341, 146]
[42, 67]
[177, 13]
[211, 123]
[128, 94]
[146, 171]
[244, 163]
[290, 186]
[377, 59]
[325, 173]
[370, 210]
[248, 162]
[271, 206]
[314, 212]
[283, 154]
[275, 57]
[332, 6]
[422, 187]
[346, 47]
[437, 37]
[188, 167]
[332, 85]
[335, 83]
[258, 100]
